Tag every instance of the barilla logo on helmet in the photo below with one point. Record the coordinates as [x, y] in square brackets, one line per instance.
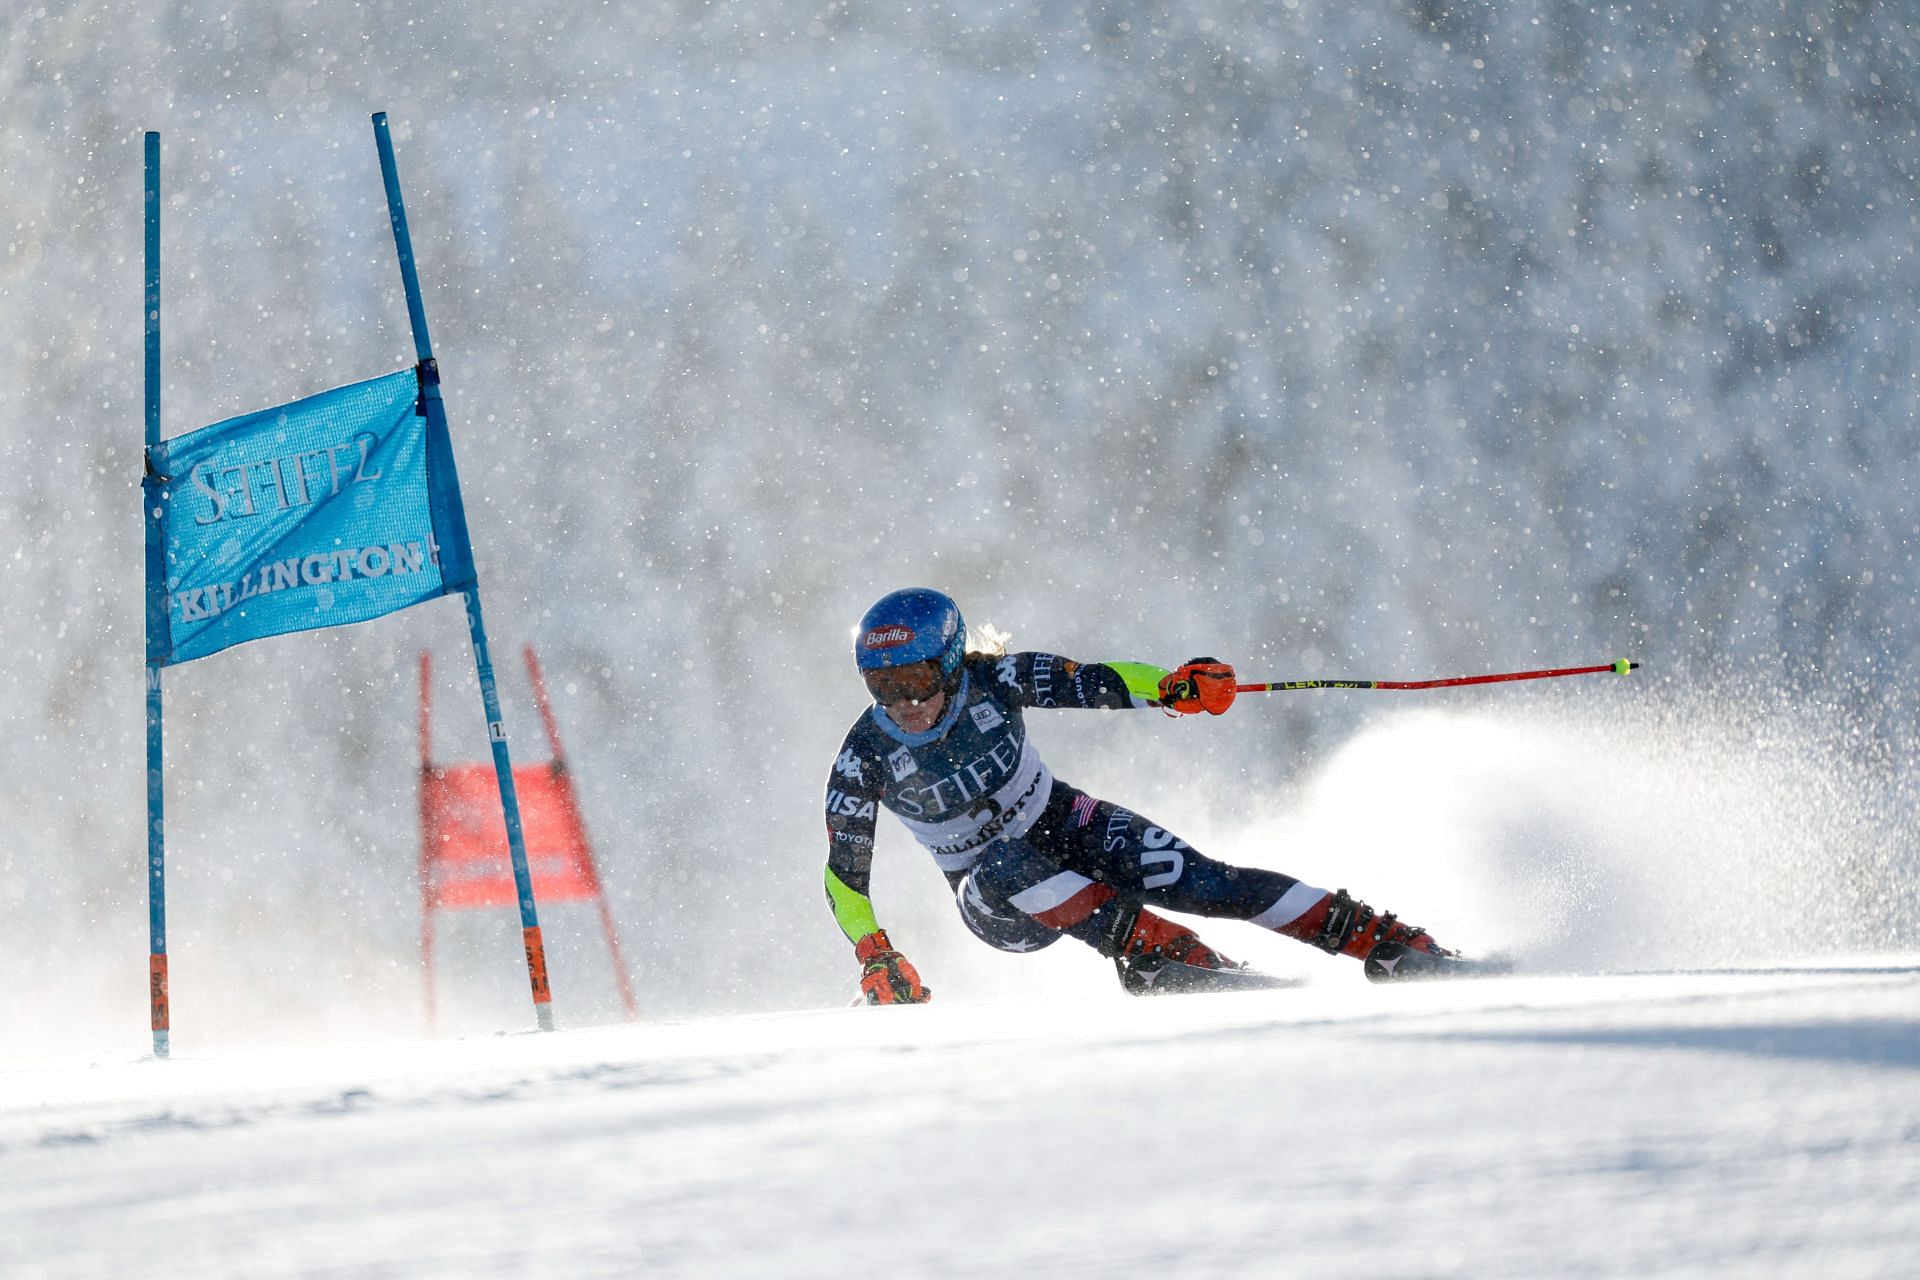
[888, 637]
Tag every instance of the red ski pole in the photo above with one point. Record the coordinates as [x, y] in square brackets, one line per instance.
[1620, 667]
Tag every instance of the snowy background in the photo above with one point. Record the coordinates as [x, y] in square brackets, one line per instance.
[1383, 340]
[1376, 340]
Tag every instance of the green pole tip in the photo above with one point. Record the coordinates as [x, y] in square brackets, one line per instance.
[1623, 666]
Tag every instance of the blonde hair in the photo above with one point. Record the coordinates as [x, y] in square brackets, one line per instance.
[987, 641]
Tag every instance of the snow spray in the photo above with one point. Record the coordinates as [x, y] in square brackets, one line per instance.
[1694, 830]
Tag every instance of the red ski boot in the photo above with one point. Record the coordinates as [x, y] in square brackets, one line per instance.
[1343, 925]
[1153, 954]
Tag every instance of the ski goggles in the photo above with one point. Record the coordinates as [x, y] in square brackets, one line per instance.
[915, 682]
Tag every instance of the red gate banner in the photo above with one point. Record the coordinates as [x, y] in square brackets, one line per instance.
[463, 836]
[466, 836]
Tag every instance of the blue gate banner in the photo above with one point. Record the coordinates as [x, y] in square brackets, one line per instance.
[334, 509]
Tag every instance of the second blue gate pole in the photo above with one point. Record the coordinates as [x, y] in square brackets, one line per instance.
[476, 625]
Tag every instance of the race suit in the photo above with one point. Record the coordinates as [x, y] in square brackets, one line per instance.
[1028, 856]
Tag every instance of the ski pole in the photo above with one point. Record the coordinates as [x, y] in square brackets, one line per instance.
[1620, 667]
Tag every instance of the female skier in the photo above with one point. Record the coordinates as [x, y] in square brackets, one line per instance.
[945, 749]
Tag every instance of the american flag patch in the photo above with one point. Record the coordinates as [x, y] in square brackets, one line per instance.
[1083, 810]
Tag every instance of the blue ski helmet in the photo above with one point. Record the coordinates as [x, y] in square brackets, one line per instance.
[914, 625]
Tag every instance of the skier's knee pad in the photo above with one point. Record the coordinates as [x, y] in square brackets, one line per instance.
[996, 922]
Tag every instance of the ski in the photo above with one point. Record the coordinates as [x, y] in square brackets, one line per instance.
[1165, 977]
[1397, 962]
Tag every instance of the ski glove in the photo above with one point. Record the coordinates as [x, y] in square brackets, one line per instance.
[1198, 684]
[886, 976]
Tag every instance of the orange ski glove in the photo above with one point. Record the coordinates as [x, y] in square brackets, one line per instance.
[1198, 684]
[886, 976]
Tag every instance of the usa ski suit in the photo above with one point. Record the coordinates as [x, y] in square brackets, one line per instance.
[1029, 857]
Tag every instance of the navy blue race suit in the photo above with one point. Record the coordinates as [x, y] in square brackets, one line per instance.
[1028, 856]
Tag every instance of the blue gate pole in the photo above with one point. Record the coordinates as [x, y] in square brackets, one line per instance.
[476, 626]
[156, 570]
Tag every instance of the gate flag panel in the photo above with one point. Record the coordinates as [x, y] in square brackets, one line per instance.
[338, 508]
[467, 838]
[463, 837]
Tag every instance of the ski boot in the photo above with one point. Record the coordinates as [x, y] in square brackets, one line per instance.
[1390, 950]
[1153, 955]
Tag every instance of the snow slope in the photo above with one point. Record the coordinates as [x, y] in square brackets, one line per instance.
[1754, 1121]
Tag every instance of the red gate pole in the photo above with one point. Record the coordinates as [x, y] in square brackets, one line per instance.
[586, 846]
[426, 834]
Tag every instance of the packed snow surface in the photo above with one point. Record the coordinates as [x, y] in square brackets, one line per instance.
[1753, 1121]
